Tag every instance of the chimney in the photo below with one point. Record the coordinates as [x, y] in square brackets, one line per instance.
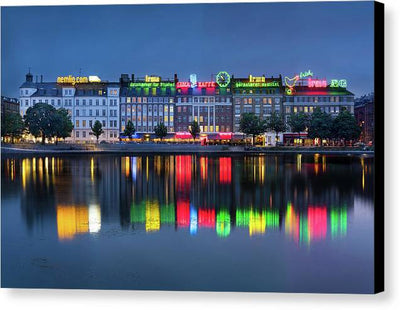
[41, 78]
[29, 77]
[36, 78]
[133, 77]
[175, 78]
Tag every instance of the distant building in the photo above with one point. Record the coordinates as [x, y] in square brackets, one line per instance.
[9, 105]
[87, 99]
[364, 113]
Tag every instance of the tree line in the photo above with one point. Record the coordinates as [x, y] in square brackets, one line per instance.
[319, 125]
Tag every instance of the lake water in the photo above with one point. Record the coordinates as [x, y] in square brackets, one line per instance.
[290, 223]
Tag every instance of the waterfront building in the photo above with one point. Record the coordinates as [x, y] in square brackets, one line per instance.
[208, 102]
[305, 93]
[9, 105]
[256, 94]
[147, 102]
[365, 116]
[87, 99]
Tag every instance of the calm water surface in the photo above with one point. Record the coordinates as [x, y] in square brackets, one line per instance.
[292, 223]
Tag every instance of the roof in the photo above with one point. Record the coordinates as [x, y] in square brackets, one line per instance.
[321, 91]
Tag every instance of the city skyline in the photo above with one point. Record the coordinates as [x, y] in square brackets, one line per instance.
[199, 38]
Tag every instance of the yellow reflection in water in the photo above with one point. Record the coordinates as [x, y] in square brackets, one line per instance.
[316, 166]
[152, 215]
[363, 173]
[71, 220]
[298, 161]
[92, 169]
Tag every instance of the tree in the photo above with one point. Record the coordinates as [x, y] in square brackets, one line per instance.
[194, 129]
[276, 123]
[250, 124]
[129, 130]
[97, 130]
[63, 124]
[320, 125]
[39, 120]
[161, 131]
[345, 126]
[12, 126]
[298, 122]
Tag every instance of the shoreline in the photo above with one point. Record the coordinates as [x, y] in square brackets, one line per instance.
[139, 149]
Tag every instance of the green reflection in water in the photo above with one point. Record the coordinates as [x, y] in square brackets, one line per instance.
[223, 226]
[338, 222]
[167, 214]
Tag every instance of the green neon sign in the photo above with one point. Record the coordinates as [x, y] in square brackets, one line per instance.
[223, 79]
[151, 84]
[339, 83]
[306, 74]
[255, 84]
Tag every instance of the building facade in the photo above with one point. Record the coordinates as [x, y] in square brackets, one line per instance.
[86, 99]
[305, 95]
[205, 102]
[364, 112]
[258, 95]
[9, 105]
[147, 102]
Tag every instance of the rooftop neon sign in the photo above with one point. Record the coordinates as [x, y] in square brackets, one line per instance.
[257, 84]
[339, 83]
[152, 84]
[197, 84]
[317, 83]
[152, 79]
[72, 79]
[306, 74]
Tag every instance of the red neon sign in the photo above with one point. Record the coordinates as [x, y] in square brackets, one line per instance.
[183, 135]
[317, 83]
[225, 135]
[206, 84]
[183, 85]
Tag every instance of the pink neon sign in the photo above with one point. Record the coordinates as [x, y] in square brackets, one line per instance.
[317, 83]
[183, 85]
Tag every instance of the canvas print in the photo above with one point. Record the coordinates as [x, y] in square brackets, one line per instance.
[201, 147]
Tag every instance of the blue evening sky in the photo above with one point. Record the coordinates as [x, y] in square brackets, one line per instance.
[334, 40]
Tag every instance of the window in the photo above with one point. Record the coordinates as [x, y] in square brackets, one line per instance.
[77, 123]
[104, 123]
[77, 112]
[77, 134]
[90, 101]
[111, 123]
[84, 134]
[90, 123]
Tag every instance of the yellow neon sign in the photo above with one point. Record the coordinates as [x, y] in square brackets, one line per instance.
[152, 79]
[256, 79]
[72, 79]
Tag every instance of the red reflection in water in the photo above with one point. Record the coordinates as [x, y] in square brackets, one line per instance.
[206, 218]
[183, 181]
[183, 174]
[317, 222]
[225, 170]
[183, 212]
